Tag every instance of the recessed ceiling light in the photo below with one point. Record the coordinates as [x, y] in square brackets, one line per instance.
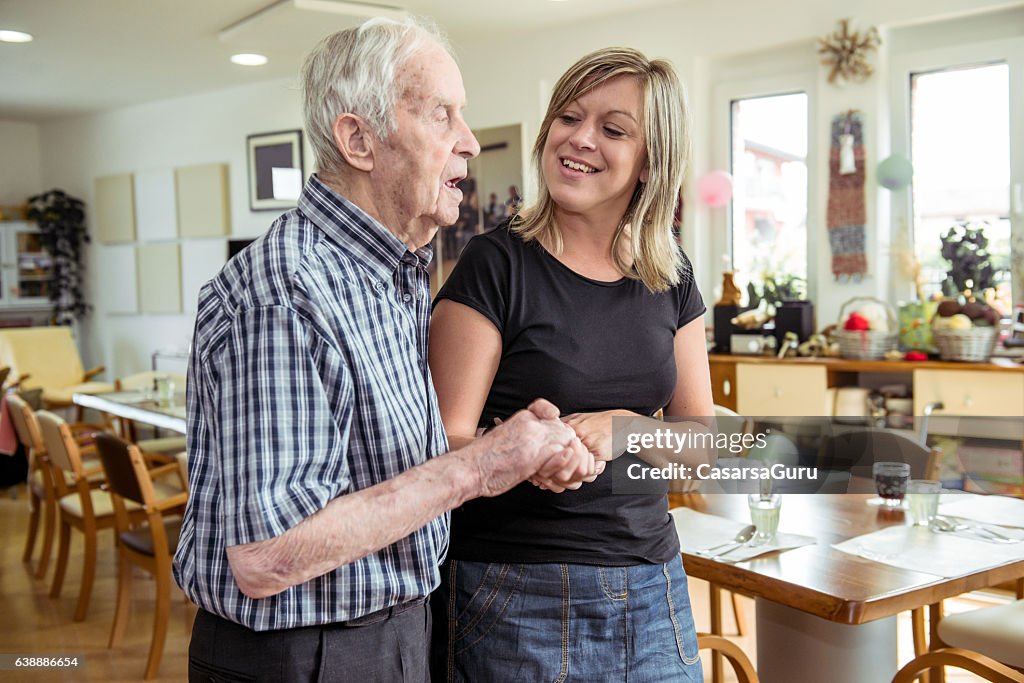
[14, 36]
[249, 59]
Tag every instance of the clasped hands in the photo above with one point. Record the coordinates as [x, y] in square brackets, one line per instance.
[593, 431]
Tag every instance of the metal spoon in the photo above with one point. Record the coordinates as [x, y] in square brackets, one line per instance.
[945, 525]
[741, 537]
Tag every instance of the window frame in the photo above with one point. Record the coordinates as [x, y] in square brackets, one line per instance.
[720, 221]
[903, 66]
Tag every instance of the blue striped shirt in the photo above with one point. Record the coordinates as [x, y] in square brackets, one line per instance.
[308, 380]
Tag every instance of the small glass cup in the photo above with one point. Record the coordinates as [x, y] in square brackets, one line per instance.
[891, 482]
[164, 390]
[923, 500]
[764, 514]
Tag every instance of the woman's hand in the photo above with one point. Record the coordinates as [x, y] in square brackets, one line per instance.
[595, 431]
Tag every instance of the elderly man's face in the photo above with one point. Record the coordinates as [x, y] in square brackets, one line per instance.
[420, 164]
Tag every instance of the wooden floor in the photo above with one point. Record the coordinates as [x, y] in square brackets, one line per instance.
[33, 623]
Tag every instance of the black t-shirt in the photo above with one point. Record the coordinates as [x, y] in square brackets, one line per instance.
[586, 346]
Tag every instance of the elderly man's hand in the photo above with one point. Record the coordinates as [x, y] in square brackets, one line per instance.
[532, 442]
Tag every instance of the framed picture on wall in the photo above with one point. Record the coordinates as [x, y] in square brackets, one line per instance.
[275, 169]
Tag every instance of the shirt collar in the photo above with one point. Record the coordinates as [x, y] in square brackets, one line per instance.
[355, 230]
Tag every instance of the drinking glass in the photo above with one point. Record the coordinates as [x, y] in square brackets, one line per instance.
[891, 482]
[764, 514]
[923, 499]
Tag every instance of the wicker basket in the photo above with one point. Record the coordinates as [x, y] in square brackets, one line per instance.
[974, 345]
[866, 344]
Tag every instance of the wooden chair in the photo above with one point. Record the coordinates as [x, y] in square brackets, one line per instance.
[150, 544]
[81, 507]
[41, 488]
[50, 358]
[723, 647]
[988, 642]
[144, 381]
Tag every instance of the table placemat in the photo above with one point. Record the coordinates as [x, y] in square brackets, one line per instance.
[699, 531]
[919, 549]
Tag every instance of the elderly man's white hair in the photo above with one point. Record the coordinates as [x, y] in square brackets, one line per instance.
[354, 71]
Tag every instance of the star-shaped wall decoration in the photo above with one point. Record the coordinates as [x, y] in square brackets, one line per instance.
[846, 53]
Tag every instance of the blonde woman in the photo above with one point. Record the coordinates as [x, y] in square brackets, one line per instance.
[585, 299]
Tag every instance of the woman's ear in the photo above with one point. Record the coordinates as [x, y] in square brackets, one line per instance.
[645, 173]
[354, 141]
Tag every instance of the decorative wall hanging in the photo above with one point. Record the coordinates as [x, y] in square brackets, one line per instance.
[847, 214]
[846, 53]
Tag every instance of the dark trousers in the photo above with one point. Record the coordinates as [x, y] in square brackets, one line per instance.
[389, 646]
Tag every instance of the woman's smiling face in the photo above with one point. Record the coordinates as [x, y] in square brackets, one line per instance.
[595, 153]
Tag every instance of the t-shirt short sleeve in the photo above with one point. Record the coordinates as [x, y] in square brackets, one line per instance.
[480, 279]
[691, 304]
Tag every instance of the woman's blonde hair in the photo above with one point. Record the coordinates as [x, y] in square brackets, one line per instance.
[644, 246]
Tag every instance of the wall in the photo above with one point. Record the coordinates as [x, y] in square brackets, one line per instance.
[20, 174]
[508, 78]
[209, 128]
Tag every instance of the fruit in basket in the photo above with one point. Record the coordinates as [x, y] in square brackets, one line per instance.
[948, 308]
[959, 322]
[856, 322]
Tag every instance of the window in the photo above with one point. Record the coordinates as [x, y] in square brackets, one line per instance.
[769, 204]
[960, 148]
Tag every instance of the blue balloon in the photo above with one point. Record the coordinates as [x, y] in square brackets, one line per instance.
[895, 172]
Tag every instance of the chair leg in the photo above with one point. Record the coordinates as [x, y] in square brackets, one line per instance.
[741, 619]
[88, 572]
[160, 617]
[35, 503]
[62, 559]
[935, 611]
[124, 597]
[717, 666]
[49, 528]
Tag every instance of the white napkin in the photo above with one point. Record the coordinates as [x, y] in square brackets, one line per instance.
[921, 550]
[996, 510]
[699, 531]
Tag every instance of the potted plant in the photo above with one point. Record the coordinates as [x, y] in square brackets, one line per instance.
[61, 221]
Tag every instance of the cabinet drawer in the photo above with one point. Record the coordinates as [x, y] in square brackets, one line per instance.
[969, 397]
[971, 393]
[781, 390]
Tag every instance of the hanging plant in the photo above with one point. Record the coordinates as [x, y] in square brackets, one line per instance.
[61, 221]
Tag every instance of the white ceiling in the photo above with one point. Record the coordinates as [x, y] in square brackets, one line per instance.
[92, 55]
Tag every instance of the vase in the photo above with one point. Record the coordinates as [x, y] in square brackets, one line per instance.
[915, 321]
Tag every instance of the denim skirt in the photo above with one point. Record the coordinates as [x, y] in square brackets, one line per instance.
[496, 622]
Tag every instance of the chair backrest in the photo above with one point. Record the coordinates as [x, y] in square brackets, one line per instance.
[47, 354]
[144, 380]
[860, 447]
[59, 443]
[25, 424]
[126, 470]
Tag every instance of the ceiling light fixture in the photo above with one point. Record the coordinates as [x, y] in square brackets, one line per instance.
[342, 7]
[7, 36]
[249, 59]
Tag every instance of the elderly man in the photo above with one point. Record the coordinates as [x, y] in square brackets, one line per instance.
[319, 492]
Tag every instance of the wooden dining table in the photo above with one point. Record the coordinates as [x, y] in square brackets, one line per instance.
[824, 614]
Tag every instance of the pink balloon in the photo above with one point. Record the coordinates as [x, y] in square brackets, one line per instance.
[714, 188]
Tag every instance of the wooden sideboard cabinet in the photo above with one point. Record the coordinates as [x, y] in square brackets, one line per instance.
[764, 385]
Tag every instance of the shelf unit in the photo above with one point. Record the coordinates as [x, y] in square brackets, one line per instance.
[26, 269]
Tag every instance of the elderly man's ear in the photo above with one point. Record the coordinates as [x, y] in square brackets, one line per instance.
[355, 140]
